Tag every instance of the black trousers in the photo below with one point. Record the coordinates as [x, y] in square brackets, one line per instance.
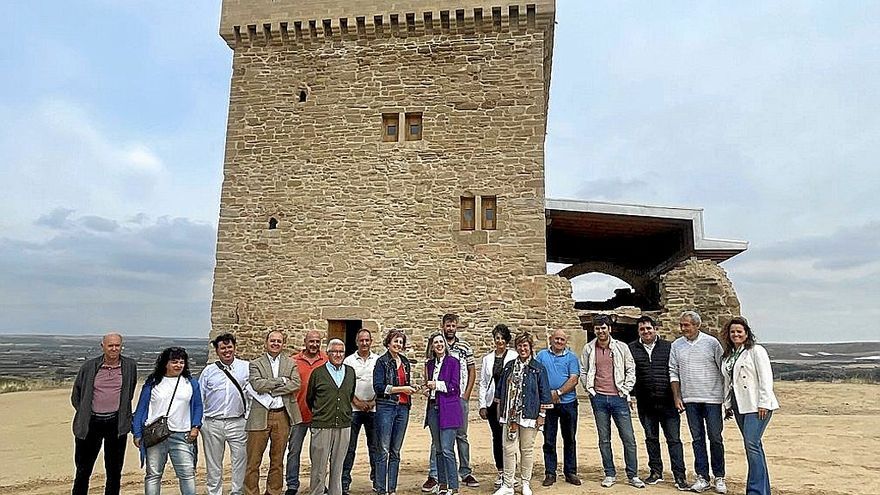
[101, 431]
[495, 426]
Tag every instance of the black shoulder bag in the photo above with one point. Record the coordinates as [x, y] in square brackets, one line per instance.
[234, 382]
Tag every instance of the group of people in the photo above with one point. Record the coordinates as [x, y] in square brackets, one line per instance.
[276, 400]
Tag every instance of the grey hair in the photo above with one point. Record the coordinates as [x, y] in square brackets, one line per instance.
[693, 316]
[335, 342]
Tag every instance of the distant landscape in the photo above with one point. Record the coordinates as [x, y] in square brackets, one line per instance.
[45, 361]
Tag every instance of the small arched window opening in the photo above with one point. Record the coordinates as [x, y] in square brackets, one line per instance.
[303, 95]
[273, 223]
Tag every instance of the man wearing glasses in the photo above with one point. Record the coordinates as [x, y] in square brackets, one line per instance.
[329, 394]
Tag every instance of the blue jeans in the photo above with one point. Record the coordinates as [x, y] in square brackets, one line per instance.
[561, 417]
[752, 429]
[705, 419]
[461, 442]
[183, 458]
[294, 452]
[390, 421]
[667, 418]
[606, 407]
[443, 445]
[358, 419]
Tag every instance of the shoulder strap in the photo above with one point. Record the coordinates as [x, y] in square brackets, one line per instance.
[172, 396]
[234, 382]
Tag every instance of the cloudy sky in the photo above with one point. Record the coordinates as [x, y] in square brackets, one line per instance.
[766, 115]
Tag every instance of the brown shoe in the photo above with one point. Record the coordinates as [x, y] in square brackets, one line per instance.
[549, 480]
[430, 485]
[470, 482]
[573, 479]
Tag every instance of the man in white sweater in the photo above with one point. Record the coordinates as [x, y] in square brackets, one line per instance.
[698, 389]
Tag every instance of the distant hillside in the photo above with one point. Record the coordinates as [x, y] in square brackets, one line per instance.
[854, 361]
[51, 359]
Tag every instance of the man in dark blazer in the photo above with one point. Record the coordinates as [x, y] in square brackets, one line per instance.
[102, 394]
[275, 381]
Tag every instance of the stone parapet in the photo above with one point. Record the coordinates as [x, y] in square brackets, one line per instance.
[351, 19]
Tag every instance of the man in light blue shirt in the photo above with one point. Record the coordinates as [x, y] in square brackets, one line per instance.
[563, 369]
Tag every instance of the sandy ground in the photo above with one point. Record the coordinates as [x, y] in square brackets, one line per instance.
[824, 441]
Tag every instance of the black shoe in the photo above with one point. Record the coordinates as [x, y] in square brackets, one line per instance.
[572, 479]
[290, 491]
[682, 485]
[549, 480]
[653, 479]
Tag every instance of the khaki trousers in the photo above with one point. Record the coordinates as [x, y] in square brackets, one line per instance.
[328, 444]
[524, 446]
[277, 430]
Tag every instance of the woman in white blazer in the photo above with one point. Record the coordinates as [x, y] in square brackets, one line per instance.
[748, 382]
[490, 370]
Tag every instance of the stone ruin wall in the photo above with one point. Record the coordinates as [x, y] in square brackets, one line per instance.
[369, 230]
[701, 286]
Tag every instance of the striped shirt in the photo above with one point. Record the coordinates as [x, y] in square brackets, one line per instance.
[461, 350]
[697, 366]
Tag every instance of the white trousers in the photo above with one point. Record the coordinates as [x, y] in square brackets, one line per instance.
[216, 433]
[523, 446]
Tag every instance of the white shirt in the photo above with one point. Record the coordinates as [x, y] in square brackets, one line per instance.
[219, 395]
[649, 348]
[179, 417]
[363, 372]
[277, 402]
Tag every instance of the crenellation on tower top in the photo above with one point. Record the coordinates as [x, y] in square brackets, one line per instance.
[333, 20]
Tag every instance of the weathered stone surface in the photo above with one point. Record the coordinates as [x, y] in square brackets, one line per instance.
[701, 286]
[370, 229]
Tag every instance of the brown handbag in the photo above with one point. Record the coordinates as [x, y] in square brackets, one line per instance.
[158, 430]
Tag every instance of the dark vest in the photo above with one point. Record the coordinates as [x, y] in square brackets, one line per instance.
[652, 389]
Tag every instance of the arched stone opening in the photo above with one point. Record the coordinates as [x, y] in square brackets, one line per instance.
[643, 291]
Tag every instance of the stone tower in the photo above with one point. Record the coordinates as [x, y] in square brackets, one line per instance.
[384, 166]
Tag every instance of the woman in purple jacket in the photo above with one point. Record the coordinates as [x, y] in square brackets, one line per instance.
[443, 416]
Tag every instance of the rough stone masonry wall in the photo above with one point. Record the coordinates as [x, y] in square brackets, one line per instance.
[369, 230]
[701, 286]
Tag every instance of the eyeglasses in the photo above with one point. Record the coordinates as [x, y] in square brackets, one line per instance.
[336, 352]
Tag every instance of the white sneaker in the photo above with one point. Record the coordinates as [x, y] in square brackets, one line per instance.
[720, 485]
[608, 481]
[504, 490]
[499, 480]
[526, 489]
[700, 485]
[636, 482]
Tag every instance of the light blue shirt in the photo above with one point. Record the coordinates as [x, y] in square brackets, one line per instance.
[560, 367]
[338, 374]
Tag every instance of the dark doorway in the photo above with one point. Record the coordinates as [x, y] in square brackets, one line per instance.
[346, 331]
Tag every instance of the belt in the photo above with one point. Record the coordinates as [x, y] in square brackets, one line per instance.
[105, 416]
[219, 418]
[277, 409]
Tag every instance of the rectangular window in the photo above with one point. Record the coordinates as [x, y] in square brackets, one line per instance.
[468, 218]
[490, 212]
[414, 126]
[390, 126]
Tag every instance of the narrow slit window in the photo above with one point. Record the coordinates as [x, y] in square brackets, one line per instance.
[414, 126]
[273, 223]
[390, 127]
[468, 218]
[490, 212]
